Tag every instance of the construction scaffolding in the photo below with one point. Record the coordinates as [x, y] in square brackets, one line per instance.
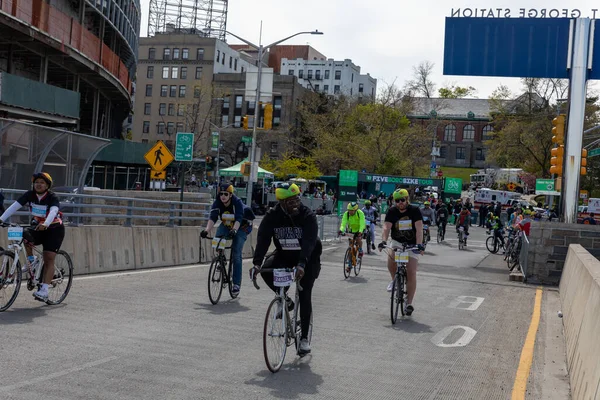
[204, 17]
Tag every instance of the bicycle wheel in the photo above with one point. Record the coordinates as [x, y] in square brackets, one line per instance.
[230, 280]
[215, 280]
[368, 233]
[439, 236]
[347, 262]
[357, 266]
[275, 335]
[492, 244]
[62, 280]
[396, 298]
[9, 285]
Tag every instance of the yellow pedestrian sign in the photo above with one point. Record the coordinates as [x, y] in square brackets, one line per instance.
[159, 175]
[159, 157]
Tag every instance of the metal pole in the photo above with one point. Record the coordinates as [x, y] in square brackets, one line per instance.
[181, 185]
[574, 139]
[253, 163]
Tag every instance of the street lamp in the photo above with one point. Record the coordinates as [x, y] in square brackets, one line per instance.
[261, 49]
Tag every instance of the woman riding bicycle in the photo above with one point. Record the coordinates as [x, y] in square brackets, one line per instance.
[49, 231]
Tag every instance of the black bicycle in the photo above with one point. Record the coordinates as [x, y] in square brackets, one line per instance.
[219, 275]
[399, 292]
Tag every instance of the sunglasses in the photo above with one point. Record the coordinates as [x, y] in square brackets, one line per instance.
[226, 194]
[400, 200]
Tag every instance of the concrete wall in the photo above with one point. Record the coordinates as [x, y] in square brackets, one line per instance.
[549, 242]
[580, 298]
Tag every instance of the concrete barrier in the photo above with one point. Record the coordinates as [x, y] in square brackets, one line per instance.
[580, 298]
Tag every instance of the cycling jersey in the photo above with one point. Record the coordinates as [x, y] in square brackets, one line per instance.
[370, 214]
[42, 207]
[442, 214]
[403, 224]
[230, 214]
[428, 213]
[357, 222]
[463, 218]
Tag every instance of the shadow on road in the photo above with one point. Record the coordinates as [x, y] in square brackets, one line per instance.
[357, 279]
[496, 270]
[292, 380]
[409, 325]
[229, 306]
[24, 315]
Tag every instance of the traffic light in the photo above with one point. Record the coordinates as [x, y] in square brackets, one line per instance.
[556, 162]
[268, 116]
[558, 132]
[245, 122]
[245, 169]
[208, 162]
[583, 162]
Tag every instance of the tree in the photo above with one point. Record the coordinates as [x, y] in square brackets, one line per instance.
[421, 85]
[301, 167]
[456, 92]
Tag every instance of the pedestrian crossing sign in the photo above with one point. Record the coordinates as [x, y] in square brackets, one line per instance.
[159, 157]
[159, 175]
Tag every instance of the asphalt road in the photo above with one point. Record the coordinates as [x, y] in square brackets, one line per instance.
[155, 335]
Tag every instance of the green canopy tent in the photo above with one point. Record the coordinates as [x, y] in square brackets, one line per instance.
[235, 171]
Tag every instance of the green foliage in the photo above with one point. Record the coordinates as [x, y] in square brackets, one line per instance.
[301, 167]
[456, 92]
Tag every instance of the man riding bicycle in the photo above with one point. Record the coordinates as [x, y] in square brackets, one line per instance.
[49, 231]
[428, 215]
[404, 221]
[464, 220]
[354, 220]
[236, 224]
[371, 217]
[442, 218]
[293, 228]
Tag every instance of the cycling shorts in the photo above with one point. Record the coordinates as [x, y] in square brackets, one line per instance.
[51, 239]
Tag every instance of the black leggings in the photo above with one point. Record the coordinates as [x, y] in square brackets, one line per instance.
[305, 294]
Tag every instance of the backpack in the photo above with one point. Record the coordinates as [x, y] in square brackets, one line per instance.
[248, 213]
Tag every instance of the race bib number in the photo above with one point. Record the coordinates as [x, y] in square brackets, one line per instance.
[290, 244]
[282, 278]
[219, 243]
[228, 219]
[462, 228]
[38, 210]
[15, 233]
[402, 257]
[404, 225]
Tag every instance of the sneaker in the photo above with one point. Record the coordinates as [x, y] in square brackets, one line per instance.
[41, 295]
[390, 286]
[304, 347]
[235, 290]
[372, 246]
[409, 310]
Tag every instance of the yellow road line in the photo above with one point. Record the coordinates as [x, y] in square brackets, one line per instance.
[526, 360]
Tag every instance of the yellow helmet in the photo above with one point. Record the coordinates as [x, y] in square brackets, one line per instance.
[400, 194]
[352, 206]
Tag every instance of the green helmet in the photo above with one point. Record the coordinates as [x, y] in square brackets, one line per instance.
[400, 194]
[285, 191]
[367, 202]
[352, 206]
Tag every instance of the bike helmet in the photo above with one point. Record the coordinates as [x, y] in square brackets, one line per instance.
[226, 187]
[286, 190]
[367, 202]
[427, 203]
[45, 176]
[352, 206]
[400, 194]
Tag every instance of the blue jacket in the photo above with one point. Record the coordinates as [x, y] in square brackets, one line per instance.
[233, 213]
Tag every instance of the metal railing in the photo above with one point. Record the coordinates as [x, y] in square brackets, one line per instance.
[523, 255]
[329, 226]
[73, 207]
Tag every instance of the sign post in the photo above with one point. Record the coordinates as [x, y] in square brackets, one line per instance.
[184, 151]
[348, 184]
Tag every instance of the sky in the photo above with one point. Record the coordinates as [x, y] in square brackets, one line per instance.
[386, 38]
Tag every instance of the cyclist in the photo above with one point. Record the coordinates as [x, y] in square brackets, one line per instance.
[464, 220]
[293, 228]
[442, 218]
[49, 229]
[428, 215]
[236, 224]
[404, 221]
[525, 223]
[355, 219]
[371, 217]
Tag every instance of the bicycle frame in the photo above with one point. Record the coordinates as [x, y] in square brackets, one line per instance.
[17, 248]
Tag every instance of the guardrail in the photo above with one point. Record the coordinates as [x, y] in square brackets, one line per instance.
[329, 226]
[524, 255]
[129, 211]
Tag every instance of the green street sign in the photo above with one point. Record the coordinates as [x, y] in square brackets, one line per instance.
[348, 178]
[215, 141]
[184, 146]
[594, 152]
[453, 186]
[246, 139]
[546, 187]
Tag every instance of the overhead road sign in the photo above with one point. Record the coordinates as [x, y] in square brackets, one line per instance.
[159, 156]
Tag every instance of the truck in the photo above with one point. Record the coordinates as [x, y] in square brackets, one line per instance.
[508, 179]
[487, 196]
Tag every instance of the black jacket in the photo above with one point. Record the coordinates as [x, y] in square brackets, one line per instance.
[296, 238]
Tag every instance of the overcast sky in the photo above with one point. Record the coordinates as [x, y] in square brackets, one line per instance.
[386, 38]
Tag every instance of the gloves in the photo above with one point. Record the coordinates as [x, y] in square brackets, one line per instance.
[382, 245]
[254, 271]
[299, 272]
[231, 234]
[421, 247]
[204, 234]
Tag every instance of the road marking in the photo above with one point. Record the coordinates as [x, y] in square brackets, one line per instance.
[526, 360]
[471, 303]
[48, 377]
[465, 339]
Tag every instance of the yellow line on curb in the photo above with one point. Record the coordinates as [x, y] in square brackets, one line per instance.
[520, 385]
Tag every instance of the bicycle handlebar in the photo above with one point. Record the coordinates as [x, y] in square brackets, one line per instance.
[271, 270]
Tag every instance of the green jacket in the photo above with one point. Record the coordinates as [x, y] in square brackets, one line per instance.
[357, 222]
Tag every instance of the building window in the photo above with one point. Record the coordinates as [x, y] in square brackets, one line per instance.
[338, 75]
[309, 74]
[160, 128]
[230, 62]
[185, 54]
[326, 88]
[460, 153]
[235, 65]
[352, 80]
[277, 103]
[150, 72]
[317, 88]
[165, 74]
[151, 53]
[146, 127]
[163, 90]
[183, 74]
[326, 74]
[450, 133]
[301, 73]
[175, 73]
[443, 152]
[468, 133]
[166, 54]
[486, 132]
[200, 54]
[170, 128]
[179, 127]
[162, 109]
[318, 74]
[144, 140]
[274, 147]
[198, 72]
[361, 87]
[148, 90]
[223, 58]
[218, 55]
[225, 104]
[147, 108]
[175, 54]
[238, 101]
[180, 110]
[182, 91]
[224, 120]
[480, 155]
[197, 92]
[237, 121]
[171, 109]
[290, 72]
[173, 91]
[336, 89]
